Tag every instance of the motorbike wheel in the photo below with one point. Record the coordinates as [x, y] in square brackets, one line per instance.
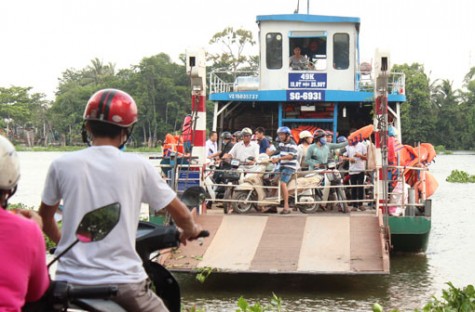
[308, 208]
[342, 196]
[227, 195]
[239, 206]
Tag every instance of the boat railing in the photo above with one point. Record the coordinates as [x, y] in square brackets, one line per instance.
[182, 176]
[368, 188]
[269, 200]
[179, 176]
[276, 198]
[222, 81]
[404, 199]
[396, 83]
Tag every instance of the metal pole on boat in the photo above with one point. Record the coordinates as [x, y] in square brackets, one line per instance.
[196, 69]
[382, 69]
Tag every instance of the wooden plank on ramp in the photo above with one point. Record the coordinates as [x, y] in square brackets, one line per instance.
[366, 249]
[326, 245]
[276, 244]
[279, 248]
[235, 243]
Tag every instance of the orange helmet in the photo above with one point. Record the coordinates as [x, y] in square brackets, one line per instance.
[112, 106]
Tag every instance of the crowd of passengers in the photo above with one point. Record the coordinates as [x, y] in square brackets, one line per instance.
[313, 151]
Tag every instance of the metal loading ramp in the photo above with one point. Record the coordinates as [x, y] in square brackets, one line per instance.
[289, 244]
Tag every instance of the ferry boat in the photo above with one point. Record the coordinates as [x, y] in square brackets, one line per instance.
[335, 90]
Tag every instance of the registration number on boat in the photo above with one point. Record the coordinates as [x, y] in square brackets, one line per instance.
[305, 95]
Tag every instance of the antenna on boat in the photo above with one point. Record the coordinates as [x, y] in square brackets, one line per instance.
[297, 9]
[308, 6]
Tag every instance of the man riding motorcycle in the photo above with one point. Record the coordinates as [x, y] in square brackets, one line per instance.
[319, 152]
[227, 143]
[98, 176]
[245, 149]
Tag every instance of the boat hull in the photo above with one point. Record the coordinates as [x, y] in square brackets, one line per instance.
[409, 234]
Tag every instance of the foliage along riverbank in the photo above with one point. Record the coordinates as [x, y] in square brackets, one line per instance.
[21, 148]
[435, 111]
[460, 176]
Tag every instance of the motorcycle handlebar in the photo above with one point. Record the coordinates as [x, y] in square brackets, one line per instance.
[92, 292]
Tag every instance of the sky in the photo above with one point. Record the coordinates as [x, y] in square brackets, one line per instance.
[42, 38]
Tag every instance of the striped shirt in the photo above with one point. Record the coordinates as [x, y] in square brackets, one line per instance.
[288, 148]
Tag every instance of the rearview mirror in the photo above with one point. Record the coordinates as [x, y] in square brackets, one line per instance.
[94, 226]
[193, 196]
[98, 223]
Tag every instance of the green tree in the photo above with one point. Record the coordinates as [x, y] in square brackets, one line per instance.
[446, 100]
[232, 43]
[163, 96]
[418, 117]
[468, 110]
[22, 112]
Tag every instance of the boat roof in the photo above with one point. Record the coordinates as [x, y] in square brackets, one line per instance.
[307, 18]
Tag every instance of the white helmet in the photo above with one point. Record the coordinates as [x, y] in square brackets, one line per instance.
[246, 131]
[9, 165]
[305, 134]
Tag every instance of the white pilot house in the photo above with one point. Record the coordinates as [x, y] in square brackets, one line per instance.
[327, 88]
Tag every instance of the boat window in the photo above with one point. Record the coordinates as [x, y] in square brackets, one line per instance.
[274, 50]
[313, 48]
[341, 51]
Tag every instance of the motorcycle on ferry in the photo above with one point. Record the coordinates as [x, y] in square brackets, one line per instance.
[224, 173]
[256, 187]
[230, 174]
[332, 189]
[150, 239]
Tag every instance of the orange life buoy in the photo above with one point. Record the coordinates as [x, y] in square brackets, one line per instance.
[361, 134]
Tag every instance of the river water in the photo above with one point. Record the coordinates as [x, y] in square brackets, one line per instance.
[412, 282]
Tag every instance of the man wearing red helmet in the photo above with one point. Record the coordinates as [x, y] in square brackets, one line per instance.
[98, 176]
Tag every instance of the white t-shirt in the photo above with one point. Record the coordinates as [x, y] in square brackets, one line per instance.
[359, 165]
[211, 147]
[92, 178]
[241, 151]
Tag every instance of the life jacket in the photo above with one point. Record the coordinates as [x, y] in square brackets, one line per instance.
[430, 152]
[179, 142]
[169, 145]
[187, 128]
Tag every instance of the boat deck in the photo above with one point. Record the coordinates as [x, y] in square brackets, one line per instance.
[286, 244]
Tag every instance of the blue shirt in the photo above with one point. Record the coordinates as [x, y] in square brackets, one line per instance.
[263, 145]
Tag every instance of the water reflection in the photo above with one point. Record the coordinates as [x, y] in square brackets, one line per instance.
[404, 288]
[299, 293]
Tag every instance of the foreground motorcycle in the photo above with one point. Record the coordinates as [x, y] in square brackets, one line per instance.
[96, 225]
